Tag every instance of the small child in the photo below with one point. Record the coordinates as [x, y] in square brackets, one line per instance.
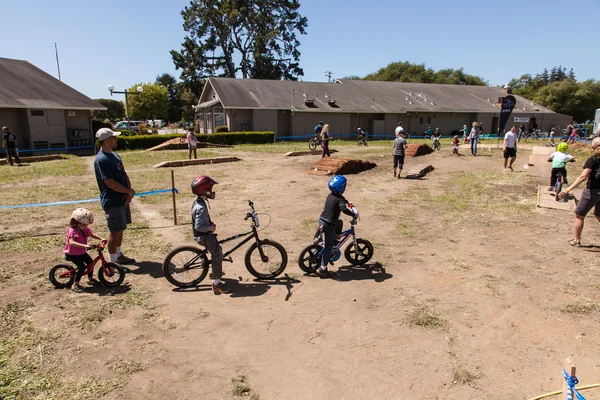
[551, 137]
[455, 143]
[559, 161]
[335, 204]
[76, 245]
[192, 142]
[203, 229]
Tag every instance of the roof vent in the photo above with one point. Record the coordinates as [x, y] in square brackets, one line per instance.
[309, 102]
[410, 102]
[331, 102]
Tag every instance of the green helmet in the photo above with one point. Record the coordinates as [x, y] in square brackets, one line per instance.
[562, 147]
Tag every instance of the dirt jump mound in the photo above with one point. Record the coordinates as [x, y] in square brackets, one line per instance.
[415, 150]
[340, 166]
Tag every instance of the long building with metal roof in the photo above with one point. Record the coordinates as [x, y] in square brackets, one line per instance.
[292, 108]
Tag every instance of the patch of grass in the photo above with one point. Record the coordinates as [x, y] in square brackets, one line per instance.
[580, 309]
[144, 158]
[462, 376]
[71, 166]
[425, 316]
[124, 367]
[31, 244]
[404, 228]
[241, 388]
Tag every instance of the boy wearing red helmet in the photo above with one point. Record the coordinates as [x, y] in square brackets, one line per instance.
[204, 229]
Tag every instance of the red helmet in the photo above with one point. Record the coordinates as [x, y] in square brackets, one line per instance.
[202, 185]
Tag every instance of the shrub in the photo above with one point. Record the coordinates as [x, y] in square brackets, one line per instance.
[589, 128]
[230, 138]
[142, 129]
[220, 129]
[97, 124]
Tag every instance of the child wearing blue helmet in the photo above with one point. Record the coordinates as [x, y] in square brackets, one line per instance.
[335, 204]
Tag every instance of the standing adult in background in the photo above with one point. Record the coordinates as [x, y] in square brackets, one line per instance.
[521, 132]
[192, 142]
[474, 138]
[400, 146]
[590, 198]
[115, 193]
[318, 129]
[480, 128]
[325, 141]
[570, 129]
[9, 143]
[510, 148]
[399, 129]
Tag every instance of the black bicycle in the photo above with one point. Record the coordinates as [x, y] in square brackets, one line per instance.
[314, 142]
[187, 266]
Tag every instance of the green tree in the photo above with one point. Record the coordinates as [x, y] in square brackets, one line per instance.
[169, 81]
[153, 103]
[188, 99]
[115, 110]
[578, 99]
[257, 38]
[418, 73]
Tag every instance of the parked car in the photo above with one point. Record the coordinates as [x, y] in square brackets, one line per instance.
[159, 123]
[133, 125]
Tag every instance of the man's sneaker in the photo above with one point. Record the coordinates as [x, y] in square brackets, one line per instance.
[505, 170]
[220, 288]
[124, 260]
[323, 273]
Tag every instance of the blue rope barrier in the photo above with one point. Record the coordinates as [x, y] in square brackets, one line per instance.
[62, 203]
[571, 382]
[56, 149]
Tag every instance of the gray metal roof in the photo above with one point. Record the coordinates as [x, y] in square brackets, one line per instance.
[23, 85]
[362, 96]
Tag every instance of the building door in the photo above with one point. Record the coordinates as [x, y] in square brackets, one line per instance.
[495, 125]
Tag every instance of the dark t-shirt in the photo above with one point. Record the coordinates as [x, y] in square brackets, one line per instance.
[318, 129]
[334, 205]
[593, 163]
[399, 144]
[110, 166]
[11, 140]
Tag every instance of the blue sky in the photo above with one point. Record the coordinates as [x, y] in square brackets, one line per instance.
[128, 41]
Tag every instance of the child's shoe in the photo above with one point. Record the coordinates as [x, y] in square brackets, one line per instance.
[77, 288]
[93, 281]
[220, 288]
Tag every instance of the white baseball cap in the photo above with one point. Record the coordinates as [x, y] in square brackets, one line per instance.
[105, 133]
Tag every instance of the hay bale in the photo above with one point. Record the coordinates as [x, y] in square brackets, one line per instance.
[416, 150]
[340, 166]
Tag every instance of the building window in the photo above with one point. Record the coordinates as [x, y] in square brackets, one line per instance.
[219, 117]
[420, 120]
[428, 120]
[37, 113]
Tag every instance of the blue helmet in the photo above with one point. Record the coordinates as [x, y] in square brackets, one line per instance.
[337, 184]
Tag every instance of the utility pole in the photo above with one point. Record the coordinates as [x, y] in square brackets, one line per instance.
[57, 63]
[329, 74]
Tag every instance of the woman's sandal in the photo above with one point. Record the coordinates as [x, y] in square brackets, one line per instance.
[575, 243]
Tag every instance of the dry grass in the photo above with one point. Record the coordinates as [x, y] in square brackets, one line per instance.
[241, 388]
[462, 376]
[425, 316]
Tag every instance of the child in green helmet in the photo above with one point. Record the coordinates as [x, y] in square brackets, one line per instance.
[559, 160]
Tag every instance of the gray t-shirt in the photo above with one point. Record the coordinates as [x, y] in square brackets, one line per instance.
[399, 144]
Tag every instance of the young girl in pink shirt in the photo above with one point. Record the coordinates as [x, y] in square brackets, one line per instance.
[76, 244]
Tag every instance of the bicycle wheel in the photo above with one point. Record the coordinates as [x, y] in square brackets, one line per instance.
[111, 274]
[361, 255]
[62, 276]
[312, 144]
[271, 265]
[309, 259]
[186, 266]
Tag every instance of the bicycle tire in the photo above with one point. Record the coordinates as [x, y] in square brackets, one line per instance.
[56, 272]
[309, 259]
[115, 271]
[269, 269]
[362, 256]
[312, 144]
[176, 269]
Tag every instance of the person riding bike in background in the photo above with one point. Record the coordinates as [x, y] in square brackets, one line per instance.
[335, 204]
[362, 136]
[203, 229]
[559, 161]
[436, 138]
[318, 130]
[428, 132]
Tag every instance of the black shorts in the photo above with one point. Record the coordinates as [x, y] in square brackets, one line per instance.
[510, 152]
[398, 161]
[589, 199]
[117, 218]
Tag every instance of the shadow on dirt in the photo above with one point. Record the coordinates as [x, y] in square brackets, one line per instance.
[154, 269]
[346, 273]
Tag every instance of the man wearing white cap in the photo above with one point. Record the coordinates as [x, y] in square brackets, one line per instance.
[115, 193]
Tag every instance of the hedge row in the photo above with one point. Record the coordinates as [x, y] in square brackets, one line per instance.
[147, 141]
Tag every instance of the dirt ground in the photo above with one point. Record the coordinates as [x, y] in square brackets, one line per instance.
[472, 293]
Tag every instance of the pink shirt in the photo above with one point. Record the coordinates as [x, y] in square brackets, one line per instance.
[80, 236]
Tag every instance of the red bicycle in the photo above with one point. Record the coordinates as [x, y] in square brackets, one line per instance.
[110, 274]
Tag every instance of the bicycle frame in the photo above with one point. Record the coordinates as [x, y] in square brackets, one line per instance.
[347, 233]
[90, 267]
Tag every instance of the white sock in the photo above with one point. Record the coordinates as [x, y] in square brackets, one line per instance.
[323, 267]
[113, 257]
[119, 254]
[216, 281]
